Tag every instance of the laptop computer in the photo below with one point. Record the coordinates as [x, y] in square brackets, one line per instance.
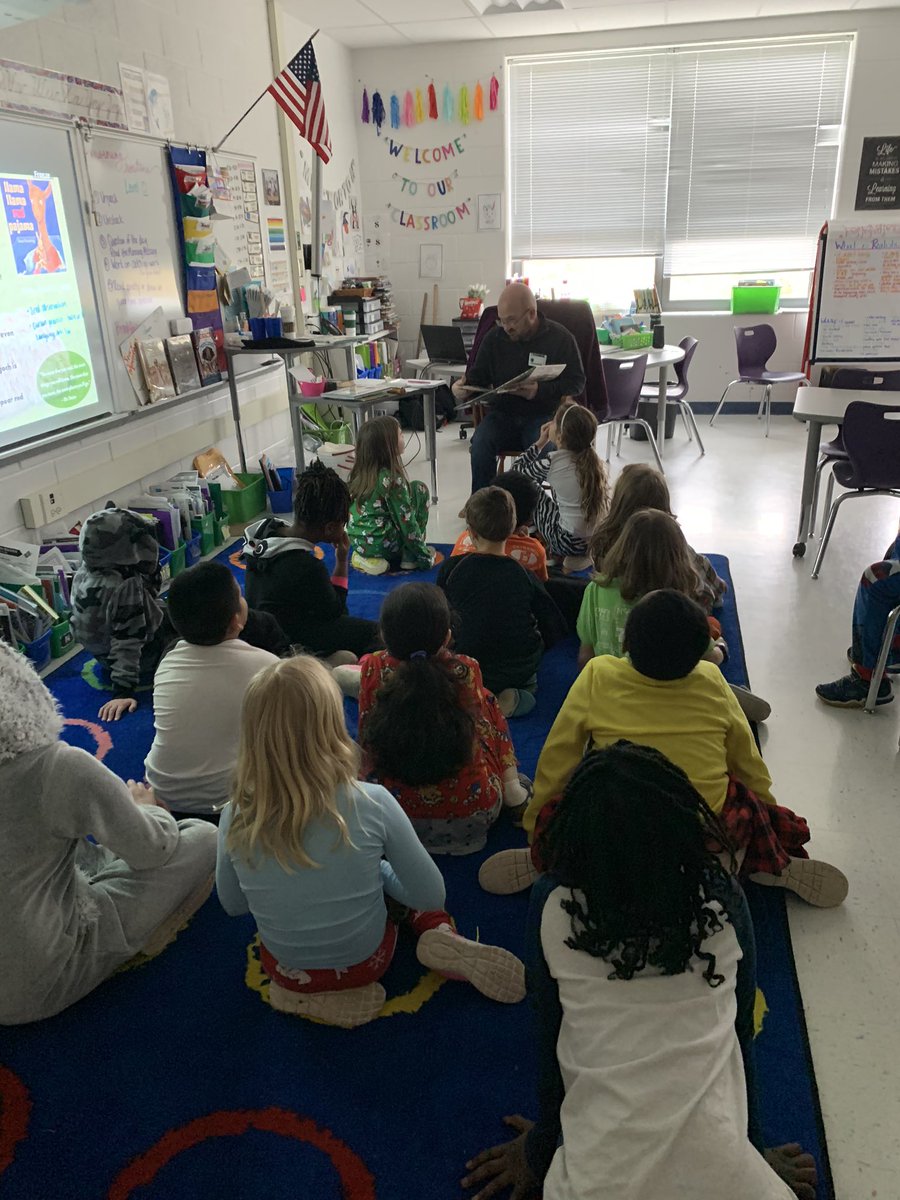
[444, 344]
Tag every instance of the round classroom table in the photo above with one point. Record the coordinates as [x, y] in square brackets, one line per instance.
[661, 360]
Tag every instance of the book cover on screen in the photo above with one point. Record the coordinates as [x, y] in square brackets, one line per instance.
[207, 355]
[155, 366]
[185, 372]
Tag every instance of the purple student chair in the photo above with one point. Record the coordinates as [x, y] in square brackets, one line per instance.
[623, 379]
[850, 379]
[677, 391]
[755, 346]
[872, 467]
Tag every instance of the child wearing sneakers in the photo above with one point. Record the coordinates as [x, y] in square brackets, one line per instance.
[520, 545]
[286, 579]
[389, 513]
[664, 695]
[198, 690]
[506, 619]
[74, 909]
[326, 864]
[577, 495]
[430, 731]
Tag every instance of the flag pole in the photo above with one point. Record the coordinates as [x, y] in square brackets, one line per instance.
[223, 140]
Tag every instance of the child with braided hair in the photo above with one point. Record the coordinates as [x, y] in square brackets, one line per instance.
[431, 733]
[641, 969]
[285, 578]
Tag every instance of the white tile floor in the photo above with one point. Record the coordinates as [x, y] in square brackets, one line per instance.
[840, 768]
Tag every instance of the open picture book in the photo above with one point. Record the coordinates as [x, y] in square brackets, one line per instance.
[542, 374]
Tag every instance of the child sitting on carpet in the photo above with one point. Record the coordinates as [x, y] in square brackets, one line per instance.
[663, 694]
[389, 513]
[578, 494]
[117, 614]
[505, 617]
[74, 910]
[285, 578]
[520, 545]
[198, 690]
[641, 486]
[641, 970]
[430, 731]
[650, 553]
[325, 864]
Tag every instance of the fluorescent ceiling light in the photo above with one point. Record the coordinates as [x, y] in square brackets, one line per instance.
[500, 8]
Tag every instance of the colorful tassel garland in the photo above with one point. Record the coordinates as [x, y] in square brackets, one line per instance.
[409, 110]
[420, 107]
[449, 105]
[395, 112]
[432, 102]
[478, 106]
[495, 92]
[365, 107]
[377, 111]
[464, 104]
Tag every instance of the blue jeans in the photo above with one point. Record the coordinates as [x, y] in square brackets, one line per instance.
[501, 432]
[546, 1135]
[877, 594]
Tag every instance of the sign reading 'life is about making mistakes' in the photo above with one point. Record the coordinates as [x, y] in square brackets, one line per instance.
[879, 174]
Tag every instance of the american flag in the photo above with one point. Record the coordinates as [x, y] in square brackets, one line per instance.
[298, 91]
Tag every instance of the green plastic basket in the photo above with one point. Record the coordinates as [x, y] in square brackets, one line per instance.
[755, 299]
[242, 506]
[633, 341]
[206, 527]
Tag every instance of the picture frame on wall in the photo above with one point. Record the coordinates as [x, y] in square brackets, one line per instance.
[271, 187]
[490, 212]
[431, 261]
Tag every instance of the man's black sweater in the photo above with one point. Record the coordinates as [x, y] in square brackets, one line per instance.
[500, 359]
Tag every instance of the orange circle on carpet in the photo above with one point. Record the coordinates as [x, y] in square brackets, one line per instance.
[97, 732]
[15, 1109]
[357, 1181]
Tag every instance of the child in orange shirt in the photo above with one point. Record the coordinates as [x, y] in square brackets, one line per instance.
[526, 550]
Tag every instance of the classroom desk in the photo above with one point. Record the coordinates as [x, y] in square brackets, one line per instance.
[819, 406]
[660, 360]
[446, 372]
[359, 399]
[346, 342]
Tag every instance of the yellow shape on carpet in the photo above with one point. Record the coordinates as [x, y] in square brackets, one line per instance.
[760, 1008]
[407, 1002]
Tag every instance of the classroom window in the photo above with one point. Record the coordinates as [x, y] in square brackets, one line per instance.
[606, 283]
[719, 159]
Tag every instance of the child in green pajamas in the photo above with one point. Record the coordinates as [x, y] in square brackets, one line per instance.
[389, 513]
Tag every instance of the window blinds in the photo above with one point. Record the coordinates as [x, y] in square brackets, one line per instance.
[755, 139]
[722, 158]
[588, 153]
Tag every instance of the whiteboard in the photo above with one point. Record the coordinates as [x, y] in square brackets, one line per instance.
[858, 303]
[136, 242]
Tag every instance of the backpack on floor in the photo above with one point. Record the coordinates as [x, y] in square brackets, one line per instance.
[411, 414]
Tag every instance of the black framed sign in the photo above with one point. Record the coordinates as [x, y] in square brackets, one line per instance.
[879, 174]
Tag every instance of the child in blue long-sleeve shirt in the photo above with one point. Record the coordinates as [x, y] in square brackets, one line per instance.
[327, 864]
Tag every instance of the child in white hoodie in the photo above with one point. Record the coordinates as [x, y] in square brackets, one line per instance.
[75, 910]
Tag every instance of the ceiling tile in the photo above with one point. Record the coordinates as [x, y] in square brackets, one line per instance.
[413, 11]
[444, 31]
[622, 16]
[784, 8]
[685, 12]
[365, 37]
[345, 15]
[529, 24]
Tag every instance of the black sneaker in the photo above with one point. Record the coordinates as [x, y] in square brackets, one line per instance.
[850, 692]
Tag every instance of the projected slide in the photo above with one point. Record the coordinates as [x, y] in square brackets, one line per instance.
[45, 362]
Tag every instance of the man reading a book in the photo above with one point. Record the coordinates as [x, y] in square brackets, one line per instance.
[521, 339]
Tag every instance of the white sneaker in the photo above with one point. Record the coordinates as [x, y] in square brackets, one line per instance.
[496, 972]
[349, 1008]
[508, 872]
[347, 679]
[816, 882]
[408, 564]
[369, 566]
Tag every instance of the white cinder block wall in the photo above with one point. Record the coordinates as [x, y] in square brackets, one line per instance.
[217, 59]
[470, 256]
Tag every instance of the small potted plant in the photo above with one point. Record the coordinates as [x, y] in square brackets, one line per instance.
[471, 304]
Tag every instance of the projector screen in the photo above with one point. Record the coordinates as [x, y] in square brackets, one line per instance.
[52, 367]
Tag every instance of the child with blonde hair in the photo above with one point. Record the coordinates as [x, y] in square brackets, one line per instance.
[326, 864]
[389, 512]
[431, 732]
[578, 493]
[642, 486]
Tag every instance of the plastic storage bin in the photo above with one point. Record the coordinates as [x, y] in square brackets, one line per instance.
[755, 299]
[176, 561]
[39, 651]
[205, 526]
[192, 551]
[633, 341]
[242, 505]
[220, 530]
[61, 638]
[283, 501]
